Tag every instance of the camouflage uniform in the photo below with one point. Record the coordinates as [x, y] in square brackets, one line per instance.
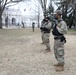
[33, 26]
[42, 32]
[47, 35]
[58, 44]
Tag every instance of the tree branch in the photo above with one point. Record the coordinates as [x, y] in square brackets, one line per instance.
[4, 5]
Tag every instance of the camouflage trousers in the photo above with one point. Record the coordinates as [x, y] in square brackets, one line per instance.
[59, 51]
[42, 36]
[46, 40]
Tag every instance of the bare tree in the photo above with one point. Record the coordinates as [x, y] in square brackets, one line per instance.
[43, 5]
[3, 4]
[68, 7]
[37, 11]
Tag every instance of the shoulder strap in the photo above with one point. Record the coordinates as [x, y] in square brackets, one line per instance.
[60, 21]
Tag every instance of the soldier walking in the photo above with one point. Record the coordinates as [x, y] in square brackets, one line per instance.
[33, 26]
[59, 29]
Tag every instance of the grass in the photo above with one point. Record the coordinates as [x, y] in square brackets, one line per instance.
[16, 33]
[72, 31]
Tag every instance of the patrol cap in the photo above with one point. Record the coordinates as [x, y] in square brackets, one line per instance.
[59, 12]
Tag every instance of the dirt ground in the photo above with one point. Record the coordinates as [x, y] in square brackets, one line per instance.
[22, 54]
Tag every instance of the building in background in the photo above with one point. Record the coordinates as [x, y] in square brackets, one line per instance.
[22, 14]
[11, 17]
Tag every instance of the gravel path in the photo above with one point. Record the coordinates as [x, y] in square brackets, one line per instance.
[25, 55]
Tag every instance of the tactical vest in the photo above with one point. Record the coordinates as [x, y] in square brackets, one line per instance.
[55, 32]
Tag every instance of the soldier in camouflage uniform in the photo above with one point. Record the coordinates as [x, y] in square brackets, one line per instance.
[47, 29]
[42, 32]
[59, 29]
[33, 26]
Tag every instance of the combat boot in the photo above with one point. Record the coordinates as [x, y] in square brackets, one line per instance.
[59, 68]
[48, 50]
[56, 64]
[42, 43]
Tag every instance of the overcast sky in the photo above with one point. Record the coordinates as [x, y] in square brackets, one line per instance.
[29, 7]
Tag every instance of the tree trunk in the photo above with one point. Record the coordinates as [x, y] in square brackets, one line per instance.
[38, 21]
[66, 8]
[75, 15]
[63, 11]
[0, 22]
[44, 8]
[0, 18]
